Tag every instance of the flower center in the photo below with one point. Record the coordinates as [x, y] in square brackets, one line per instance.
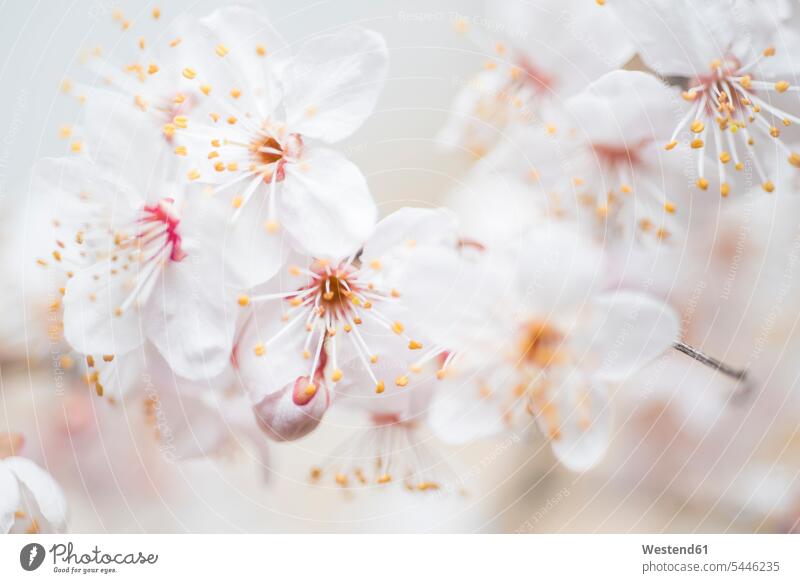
[333, 305]
[541, 345]
[160, 225]
[270, 154]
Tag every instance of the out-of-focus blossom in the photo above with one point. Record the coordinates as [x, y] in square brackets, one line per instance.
[30, 499]
[541, 52]
[535, 330]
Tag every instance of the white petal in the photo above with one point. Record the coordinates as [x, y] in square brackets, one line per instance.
[627, 330]
[241, 33]
[92, 324]
[325, 204]
[47, 493]
[578, 422]
[254, 253]
[458, 302]
[9, 498]
[681, 37]
[333, 82]
[409, 227]
[558, 268]
[459, 414]
[624, 109]
[282, 361]
[126, 142]
[190, 317]
[566, 43]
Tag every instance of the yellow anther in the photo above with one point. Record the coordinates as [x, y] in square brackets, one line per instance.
[671, 145]
[236, 93]
[232, 166]
[181, 150]
[193, 175]
[373, 359]
[90, 361]
[306, 354]
[380, 387]
[311, 389]
[702, 183]
[697, 143]
[782, 86]
[189, 73]
[669, 207]
[243, 300]
[337, 375]
[794, 159]
[401, 381]
[180, 121]
[398, 328]
[76, 146]
[724, 189]
[414, 345]
[724, 157]
[769, 52]
[232, 120]
[259, 349]
[739, 166]
[169, 129]
[697, 126]
[108, 357]
[745, 81]
[272, 227]
[65, 131]
[626, 188]
[768, 186]
[261, 50]
[219, 166]
[774, 132]
[175, 42]
[152, 69]
[221, 50]
[689, 95]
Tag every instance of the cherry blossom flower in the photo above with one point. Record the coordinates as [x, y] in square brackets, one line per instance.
[30, 499]
[736, 61]
[598, 160]
[262, 136]
[549, 51]
[338, 320]
[533, 329]
[143, 257]
[394, 449]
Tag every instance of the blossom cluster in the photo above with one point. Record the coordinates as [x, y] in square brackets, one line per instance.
[212, 240]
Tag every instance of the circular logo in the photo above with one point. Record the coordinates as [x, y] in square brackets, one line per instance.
[31, 556]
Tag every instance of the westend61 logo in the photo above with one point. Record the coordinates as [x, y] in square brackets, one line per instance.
[66, 560]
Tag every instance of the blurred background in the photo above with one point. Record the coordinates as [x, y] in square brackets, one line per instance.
[684, 457]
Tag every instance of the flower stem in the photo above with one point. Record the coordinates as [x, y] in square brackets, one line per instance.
[709, 361]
